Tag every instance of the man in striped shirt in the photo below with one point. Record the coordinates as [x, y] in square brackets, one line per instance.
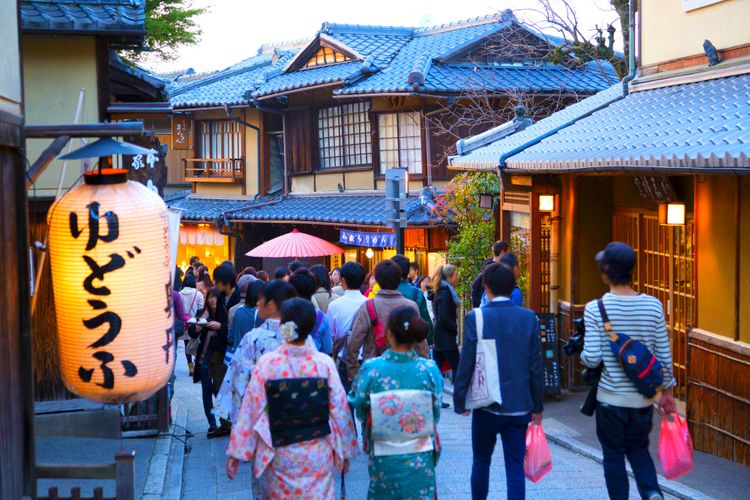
[624, 415]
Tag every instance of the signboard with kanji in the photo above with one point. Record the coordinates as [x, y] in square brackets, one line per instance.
[181, 132]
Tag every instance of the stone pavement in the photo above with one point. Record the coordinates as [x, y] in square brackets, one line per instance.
[572, 477]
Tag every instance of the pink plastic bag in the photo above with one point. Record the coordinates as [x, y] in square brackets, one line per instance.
[538, 461]
[675, 447]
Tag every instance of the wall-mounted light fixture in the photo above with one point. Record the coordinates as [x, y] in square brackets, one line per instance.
[672, 214]
[546, 202]
[486, 200]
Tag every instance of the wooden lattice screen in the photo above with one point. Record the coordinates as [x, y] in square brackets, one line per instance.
[665, 270]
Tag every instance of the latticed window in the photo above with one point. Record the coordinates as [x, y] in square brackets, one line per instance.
[220, 139]
[324, 56]
[400, 141]
[344, 135]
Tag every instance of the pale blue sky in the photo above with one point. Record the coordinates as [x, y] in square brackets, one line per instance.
[234, 29]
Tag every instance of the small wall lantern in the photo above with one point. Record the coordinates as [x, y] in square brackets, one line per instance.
[672, 214]
[546, 202]
[486, 200]
[369, 253]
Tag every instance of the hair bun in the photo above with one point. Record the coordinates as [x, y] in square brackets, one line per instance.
[417, 329]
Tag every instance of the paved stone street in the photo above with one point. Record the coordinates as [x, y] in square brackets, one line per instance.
[572, 476]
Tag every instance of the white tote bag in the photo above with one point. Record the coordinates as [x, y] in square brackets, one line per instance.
[485, 382]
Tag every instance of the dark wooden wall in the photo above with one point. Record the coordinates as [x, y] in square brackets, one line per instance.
[718, 396]
[16, 443]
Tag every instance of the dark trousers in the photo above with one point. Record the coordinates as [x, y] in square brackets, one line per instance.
[485, 427]
[187, 356]
[451, 357]
[207, 392]
[624, 432]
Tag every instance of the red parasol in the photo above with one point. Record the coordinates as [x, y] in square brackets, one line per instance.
[295, 245]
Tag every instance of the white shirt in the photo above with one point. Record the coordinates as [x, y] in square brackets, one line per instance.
[341, 312]
[192, 299]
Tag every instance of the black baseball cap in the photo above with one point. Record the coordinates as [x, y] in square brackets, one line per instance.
[617, 260]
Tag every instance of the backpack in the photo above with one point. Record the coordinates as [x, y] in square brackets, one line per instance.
[378, 327]
[638, 363]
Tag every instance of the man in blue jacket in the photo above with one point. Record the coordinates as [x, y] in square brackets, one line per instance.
[515, 331]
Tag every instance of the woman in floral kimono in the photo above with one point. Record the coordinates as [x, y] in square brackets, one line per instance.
[398, 397]
[253, 345]
[296, 435]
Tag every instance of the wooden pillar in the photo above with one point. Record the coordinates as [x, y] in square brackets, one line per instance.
[535, 254]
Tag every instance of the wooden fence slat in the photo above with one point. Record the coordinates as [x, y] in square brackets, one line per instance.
[77, 471]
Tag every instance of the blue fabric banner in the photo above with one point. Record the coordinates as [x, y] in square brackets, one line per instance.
[365, 239]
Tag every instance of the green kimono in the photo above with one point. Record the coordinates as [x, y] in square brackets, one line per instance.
[409, 476]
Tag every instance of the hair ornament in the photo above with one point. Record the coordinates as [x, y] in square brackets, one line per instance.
[288, 331]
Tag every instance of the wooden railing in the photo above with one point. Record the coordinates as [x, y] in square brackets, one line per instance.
[122, 471]
[213, 169]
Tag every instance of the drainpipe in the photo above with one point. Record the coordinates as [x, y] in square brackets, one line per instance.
[631, 43]
[228, 110]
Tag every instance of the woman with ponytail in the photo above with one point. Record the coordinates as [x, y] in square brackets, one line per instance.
[445, 303]
[398, 397]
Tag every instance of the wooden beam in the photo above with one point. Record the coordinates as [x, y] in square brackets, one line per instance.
[47, 156]
[84, 130]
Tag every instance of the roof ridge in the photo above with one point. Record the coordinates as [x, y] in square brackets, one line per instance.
[221, 74]
[504, 16]
[369, 29]
[282, 45]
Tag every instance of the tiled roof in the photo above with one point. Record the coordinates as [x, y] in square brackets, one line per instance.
[366, 209]
[103, 16]
[228, 86]
[205, 209]
[403, 59]
[699, 127]
[488, 157]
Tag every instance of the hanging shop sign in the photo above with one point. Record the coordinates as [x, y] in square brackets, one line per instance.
[110, 259]
[366, 239]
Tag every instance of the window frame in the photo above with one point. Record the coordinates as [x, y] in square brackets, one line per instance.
[356, 155]
[379, 138]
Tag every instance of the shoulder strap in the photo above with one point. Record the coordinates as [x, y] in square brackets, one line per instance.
[605, 320]
[370, 305]
[318, 324]
[479, 318]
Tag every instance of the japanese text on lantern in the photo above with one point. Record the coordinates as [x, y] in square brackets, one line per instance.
[95, 285]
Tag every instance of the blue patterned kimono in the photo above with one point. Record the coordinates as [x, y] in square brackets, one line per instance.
[409, 476]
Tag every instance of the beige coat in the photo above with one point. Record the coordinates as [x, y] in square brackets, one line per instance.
[363, 335]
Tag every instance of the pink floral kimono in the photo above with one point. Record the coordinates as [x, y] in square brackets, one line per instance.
[301, 470]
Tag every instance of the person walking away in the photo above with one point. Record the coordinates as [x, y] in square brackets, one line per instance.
[624, 415]
[397, 397]
[178, 326]
[206, 330]
[423, 283]
[252, 346]
[243, 282]
[323, 295]
[372, 316]
[263, 276]
[246, 316]
[445, 303]
[342, 311]
[338, 288]
[295, 445]
[304, 282]
[515, 331]
[510, 261]
[225, 281]
[194, 302]
[413, 275]
[499, 248]
[407, 289]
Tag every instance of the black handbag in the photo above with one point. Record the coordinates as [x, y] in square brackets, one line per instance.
[297, 410]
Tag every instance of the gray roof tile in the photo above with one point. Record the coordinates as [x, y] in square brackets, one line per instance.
[702, 126]
[488, 157]
[114, 16]
[205, 209]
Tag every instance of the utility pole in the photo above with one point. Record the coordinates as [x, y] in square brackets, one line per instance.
[395, 203]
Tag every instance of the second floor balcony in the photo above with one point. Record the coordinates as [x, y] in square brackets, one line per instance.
[214, 169]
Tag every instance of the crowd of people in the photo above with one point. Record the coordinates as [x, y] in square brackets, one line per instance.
[286, 366]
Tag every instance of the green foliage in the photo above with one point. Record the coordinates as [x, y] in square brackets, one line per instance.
[519, 244]
[169, 24]
[472, 245]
